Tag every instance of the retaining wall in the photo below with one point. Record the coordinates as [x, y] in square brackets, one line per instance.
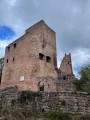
[69, 102]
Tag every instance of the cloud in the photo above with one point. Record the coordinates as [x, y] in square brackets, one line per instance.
[4, 43]
[70, 19]
[12, 2]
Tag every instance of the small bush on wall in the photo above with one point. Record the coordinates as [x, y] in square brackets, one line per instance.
[63, 102]
[28, 96]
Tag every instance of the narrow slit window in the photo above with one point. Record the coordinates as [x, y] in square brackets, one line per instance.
[9, 48]
[14, 45]
[7, 61]
[64, 77]
[48, 59]
[41, 56]
[13, 59]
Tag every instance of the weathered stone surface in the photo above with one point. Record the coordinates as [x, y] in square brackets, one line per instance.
[22, 63]
[66, 64]
[30, 62]
[68, 102]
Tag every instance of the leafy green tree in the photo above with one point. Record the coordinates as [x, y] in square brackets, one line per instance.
[83, 84]
[1, 67]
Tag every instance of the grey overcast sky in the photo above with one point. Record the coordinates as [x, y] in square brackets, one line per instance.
[70, 19]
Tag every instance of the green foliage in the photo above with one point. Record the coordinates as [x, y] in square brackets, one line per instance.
[43, 110]
[83, 84]
[28, 96]
[81, 117]
[84, 117]
[11, 113]
[13, 101]
[63, 102]
[0, 77]
[1, 67]
[57, 115]
[16, 113]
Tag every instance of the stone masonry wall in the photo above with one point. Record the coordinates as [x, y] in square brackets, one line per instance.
[66, 64]
[22, 63]
[69, 102]
[66, 83]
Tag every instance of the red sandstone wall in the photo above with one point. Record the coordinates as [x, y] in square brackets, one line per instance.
[66, 64]
[26, 58]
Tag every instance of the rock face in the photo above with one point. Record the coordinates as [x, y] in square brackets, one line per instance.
[30, 62]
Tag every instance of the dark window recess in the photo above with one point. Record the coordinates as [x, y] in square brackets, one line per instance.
[42, 88]
[13, 59]
[68, 62]
[7, 61]
[64, 77]
[9, 48]
[48, 59]
[41, 56]
[14, 45]
[48, 86]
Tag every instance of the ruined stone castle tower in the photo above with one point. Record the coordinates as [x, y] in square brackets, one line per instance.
[66, 64]
[31, 61]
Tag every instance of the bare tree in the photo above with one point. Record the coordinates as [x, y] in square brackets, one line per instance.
[1, 67]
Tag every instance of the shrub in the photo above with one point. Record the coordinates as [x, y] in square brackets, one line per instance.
[13, 101]
[43, 110]
[81, 117]
[63, 102]
[57, 115]
[28, 95]
[83, 84]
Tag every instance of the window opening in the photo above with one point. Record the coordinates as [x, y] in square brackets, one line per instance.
[13, 59]
[41, 56]
[7, 61]
[14, 45]
[48, 59]
[64, 78]
[42, 88]
[9, 48]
